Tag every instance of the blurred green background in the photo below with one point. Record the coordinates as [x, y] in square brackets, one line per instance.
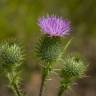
[18, 20]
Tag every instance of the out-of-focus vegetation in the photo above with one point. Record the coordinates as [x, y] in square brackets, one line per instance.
[18, 20]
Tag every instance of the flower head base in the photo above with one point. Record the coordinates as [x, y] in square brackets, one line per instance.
[54, 26]
[49, 49]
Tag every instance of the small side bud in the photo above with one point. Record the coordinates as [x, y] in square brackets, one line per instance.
[73, 67]
[10, 55]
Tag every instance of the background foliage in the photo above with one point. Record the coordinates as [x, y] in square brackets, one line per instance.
[18, 19]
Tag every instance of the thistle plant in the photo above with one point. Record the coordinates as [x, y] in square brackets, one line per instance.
[73, 68]
[11, 58]
[49, 49]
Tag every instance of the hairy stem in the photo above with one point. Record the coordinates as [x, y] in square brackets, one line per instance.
[16, 90]
[45, 73]
[13, 84]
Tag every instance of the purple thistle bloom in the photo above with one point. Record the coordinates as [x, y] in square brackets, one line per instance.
[54, 26]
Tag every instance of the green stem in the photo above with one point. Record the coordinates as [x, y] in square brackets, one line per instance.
[64, 85]
[45, 73]
[42, 85]
[61, 90]
[16, 90]
[13, 84]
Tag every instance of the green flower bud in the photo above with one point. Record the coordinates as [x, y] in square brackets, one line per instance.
[73, 67]
[10, 55]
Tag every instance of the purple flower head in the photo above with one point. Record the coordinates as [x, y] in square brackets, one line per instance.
[54, 26]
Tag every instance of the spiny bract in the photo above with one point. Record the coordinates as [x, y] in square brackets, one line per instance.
[49, 48]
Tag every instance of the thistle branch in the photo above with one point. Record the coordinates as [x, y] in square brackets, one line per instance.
[73, 69]
[11, 58]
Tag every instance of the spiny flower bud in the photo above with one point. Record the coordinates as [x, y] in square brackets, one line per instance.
[73, 67]
[10, 55]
